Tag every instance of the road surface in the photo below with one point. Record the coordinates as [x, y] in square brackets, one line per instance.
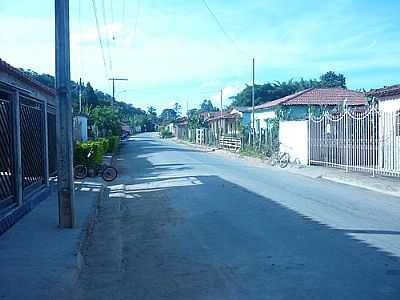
[182, 223]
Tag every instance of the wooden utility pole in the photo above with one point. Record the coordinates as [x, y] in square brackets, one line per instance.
[80, 95]
[64, 117]
[113, 88]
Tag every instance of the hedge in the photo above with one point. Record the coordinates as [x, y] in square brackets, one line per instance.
[99, 148]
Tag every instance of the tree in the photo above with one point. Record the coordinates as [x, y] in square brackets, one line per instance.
[151, 110]
[168, 115]
[89, 96]
[177, 108]
[331, 79]
[195, 120]
[207, 106]
[106, 119]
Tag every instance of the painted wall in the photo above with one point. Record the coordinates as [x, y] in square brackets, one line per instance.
[81, 128]
[389, 137]
[260, 116]
[293, 136]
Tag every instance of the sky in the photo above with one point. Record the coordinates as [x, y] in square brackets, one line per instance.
[176, 51]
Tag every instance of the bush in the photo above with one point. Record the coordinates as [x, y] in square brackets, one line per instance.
[165, 133]
[113, 143]
[98, 147]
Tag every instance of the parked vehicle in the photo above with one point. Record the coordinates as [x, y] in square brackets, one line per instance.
[107, 172]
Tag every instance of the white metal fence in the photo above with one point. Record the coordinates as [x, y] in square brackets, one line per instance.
[366, 140]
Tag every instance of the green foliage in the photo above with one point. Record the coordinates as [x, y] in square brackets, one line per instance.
[195, 120]
[168, 115]
[98, 148]
[331, 79]
[106, 119]
[207, 106]
[165, 133]
[274, 90]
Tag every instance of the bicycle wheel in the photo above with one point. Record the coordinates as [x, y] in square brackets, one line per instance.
[284, 160]
[80, 171]
[109, 173]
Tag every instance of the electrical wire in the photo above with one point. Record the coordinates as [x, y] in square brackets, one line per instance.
[217, 21]
[99, 37]
[107, 37]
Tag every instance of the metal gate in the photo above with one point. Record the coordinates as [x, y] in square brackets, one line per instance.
[363, 140]
[32, 142]
[52, 139]
[6, 158]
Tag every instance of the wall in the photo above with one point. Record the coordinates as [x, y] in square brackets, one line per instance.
[262, 115]
[293, 136]
[389, 139]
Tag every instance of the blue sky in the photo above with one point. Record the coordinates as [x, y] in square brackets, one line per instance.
[173, 50]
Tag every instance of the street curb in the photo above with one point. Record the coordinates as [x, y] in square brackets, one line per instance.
[291, 169]
[88, 229]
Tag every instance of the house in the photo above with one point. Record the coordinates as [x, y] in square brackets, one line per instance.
[296, 106]
[224, 123]
[245, 114]
[388, 99]
[180, 128]
[285, 120]
[28, 139]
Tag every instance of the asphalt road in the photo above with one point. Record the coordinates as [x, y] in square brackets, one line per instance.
[186, 224]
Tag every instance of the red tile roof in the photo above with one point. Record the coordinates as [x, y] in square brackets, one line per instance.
[319, 96]
[25, 78]
[386, 91]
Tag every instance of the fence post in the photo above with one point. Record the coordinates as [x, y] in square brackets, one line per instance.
[309, 137]
[346, 125]
[373, 143]
[45, 146]
[16, 119]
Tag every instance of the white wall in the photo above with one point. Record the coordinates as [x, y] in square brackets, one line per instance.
[293, 136]
[262, 115]
[389, 142]
[389, 105]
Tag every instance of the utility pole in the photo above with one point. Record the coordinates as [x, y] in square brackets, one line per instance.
[221, 103]
[64, 117]
[113, 89]
[80, 95]
[252, 100]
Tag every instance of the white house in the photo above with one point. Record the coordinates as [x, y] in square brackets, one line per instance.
[294, 110]
[389, 126]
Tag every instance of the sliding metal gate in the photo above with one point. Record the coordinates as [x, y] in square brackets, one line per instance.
[367, 141]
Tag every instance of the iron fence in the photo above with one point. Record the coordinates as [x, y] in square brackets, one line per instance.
[32, 142]
[362, 141]
[6, 149]
[52, 140]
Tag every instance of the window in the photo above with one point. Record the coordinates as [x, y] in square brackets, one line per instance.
[398, 123]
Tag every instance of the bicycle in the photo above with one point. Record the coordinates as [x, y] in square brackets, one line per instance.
[281, 158]
[108, 173]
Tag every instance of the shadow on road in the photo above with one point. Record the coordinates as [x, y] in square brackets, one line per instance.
[203, 237]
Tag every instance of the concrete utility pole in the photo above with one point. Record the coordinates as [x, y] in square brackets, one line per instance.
[252, 101]
[113, 89]
[64, 117]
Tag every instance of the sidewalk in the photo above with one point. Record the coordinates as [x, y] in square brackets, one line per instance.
[38, 259]
[381, 184]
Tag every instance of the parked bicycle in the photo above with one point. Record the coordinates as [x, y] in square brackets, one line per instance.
[107, 172]
[276, 157]
[280, 158]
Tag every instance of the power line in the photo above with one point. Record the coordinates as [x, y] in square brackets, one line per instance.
[222, 28]
[99, 37]
[136, 19]
[107, 37]
[82, 67]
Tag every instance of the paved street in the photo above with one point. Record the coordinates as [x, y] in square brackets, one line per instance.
[182, 223]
